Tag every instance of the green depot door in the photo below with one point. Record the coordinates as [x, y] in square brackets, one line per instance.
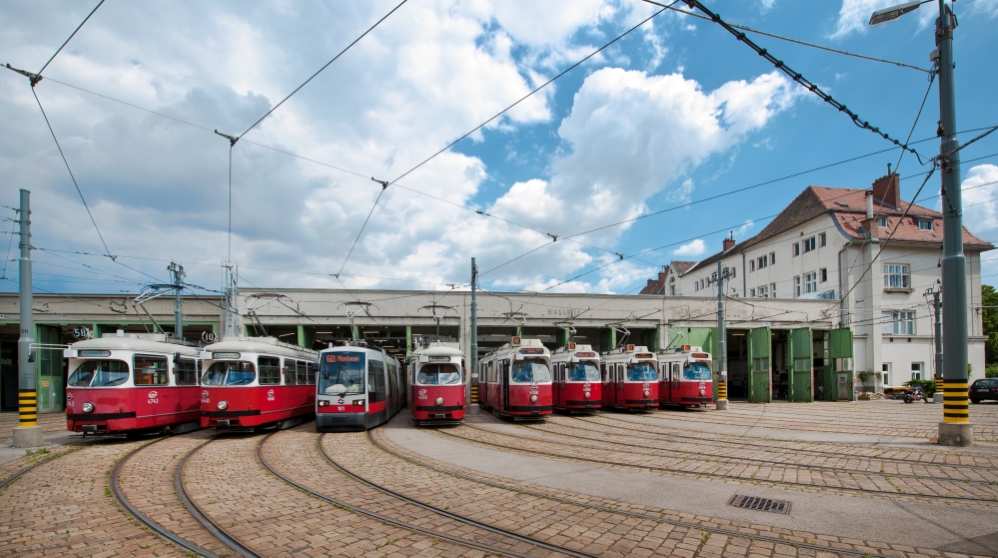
[800, 365]
[760, 368]
[839, 384]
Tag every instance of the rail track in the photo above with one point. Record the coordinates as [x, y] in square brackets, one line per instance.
[706, 457]
[415, 528]
[854, 490]
[611, 510]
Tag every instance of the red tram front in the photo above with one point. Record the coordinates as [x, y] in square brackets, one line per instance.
[630, 379]
[437, 383]
[256, 381]
[359, 387]
[124, 383]
[685, 378]
[577, 386]
[515, 380]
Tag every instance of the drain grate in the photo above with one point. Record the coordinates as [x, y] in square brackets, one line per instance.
[759, 504]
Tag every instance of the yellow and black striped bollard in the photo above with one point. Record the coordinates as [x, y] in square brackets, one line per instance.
[722, 396]
[27, 403]
[956, 403]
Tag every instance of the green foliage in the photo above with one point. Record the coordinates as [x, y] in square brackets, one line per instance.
[928, 386]
[991, 371]
[989, 297]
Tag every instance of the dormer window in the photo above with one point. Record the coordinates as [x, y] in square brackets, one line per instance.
[924, 224]
[882, 221]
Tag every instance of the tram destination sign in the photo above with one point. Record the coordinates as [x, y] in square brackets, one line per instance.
[224, 355]
[86, 354]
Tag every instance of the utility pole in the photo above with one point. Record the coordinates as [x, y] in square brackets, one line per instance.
[955, 430]
[474, 324]
[937, 339]
[27, 434]
[231, 299]
[178, 303]
[721, 358]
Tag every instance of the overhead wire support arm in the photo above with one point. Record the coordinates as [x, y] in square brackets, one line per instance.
[66, 42]
[799, 78]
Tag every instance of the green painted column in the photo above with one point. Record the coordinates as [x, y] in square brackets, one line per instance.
[408, 342]
[301, 336]
[564, 338]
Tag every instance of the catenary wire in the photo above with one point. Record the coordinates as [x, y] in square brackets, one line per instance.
[360, 232]
[326, 65]
[73, 34]
[796, 41]
[800, 79]
[10, 244]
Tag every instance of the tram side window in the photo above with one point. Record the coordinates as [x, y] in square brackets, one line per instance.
[675, 371]
[151, 371]
[186, 372]
[376, 381]
[103, 373]
[290, 372]
[270, 370]
[302, 367]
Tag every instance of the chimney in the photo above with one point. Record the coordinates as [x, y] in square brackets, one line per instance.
[870, 223]
[887, 190]
[729, 242]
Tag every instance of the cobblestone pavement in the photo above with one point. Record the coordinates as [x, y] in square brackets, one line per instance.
[293, 454]
[50, 422]
[609, 529]
[64, 508]
[274, 519]
[528, 440]
[925, 453]
[890, 418]
[146, 480]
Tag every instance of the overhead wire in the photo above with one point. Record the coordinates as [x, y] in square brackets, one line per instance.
[73, 34]
[796, 41]
[10, 244]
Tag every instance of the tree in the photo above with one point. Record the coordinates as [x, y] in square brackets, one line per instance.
[989, 299]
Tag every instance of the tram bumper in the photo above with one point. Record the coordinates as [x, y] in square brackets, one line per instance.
[336, 422]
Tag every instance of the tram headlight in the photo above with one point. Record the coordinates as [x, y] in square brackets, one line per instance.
[439, 401]
[586, 395]
[88, 407]
[647, 393]
[222, 405]
[533, 399]
[703, 392]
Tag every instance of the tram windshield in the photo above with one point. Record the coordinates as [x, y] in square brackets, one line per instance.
[641, 372]
[229, 373]
[531, 371]
[99, 373]
[583, 372]
[696, 371]
[438, 375]
[342, 374]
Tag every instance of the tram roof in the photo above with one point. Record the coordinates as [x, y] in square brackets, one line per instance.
[267, 345]
[150, 342]
[438, 348]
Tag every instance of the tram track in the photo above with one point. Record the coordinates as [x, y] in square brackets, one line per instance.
[121, 498]
[669, 470]
[522, 490]
[770, 447]
[706, 456]
[20, 472]
[409, 526]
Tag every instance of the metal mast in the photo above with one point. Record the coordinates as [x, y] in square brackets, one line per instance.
[27, 434]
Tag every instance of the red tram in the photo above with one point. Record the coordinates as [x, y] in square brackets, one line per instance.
[577, 385]
[359, 387]
[630, 379]
[515, 380]
[131, 383]
[685, 377]
[256, 381]
[437, 383]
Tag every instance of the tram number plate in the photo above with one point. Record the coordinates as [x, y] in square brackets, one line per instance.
[585, 387]
[702, 385]
[533, 389]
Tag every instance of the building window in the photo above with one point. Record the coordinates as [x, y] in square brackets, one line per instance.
[897, 276]
[763, 292]
[821, 239]
[672, 286]
[772, 258]
[762, 261]
[823, 274]
[916, 371]
[796, 249]
[811, 282]
[925, 224]
[904, 323]
[882, 221]
[886, 367]
[696, 286]
[751, 292]
[797, 286]
[808, 244]
[751, 265]
[772, 290]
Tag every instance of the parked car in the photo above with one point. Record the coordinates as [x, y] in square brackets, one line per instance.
[984, 389]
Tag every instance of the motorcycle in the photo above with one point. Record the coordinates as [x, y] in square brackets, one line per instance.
[914, 394]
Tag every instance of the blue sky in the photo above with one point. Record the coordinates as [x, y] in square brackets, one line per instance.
[675, 112]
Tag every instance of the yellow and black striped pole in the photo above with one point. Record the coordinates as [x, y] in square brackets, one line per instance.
[27, 408]
[956, 403]
[940, 387]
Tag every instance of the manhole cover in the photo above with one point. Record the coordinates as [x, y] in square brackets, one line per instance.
[759, 504]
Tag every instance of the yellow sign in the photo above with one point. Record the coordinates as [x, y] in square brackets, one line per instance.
[45, 383]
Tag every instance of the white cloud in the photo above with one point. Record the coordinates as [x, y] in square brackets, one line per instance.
[691, 249]
[980, 212]
[744, 229]
[987, 8]
[855, 15]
